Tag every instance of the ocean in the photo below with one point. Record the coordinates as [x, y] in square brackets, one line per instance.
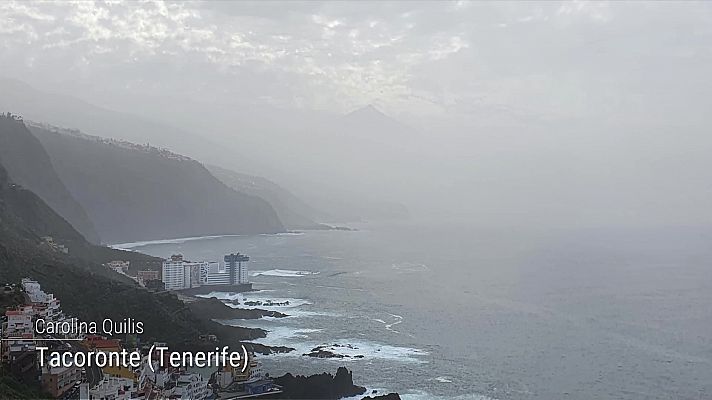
[454, 312]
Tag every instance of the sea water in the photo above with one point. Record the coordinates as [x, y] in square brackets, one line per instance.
[437, 311]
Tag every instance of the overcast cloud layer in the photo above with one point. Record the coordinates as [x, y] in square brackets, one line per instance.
[447, 60]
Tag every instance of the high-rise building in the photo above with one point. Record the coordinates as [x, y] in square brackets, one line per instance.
[181, 274]
[213, 273]
[237, 266]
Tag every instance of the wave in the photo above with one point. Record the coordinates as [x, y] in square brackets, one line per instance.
[369, 392]
[219, 295]
[352, 350]
[282, 332]
[279, 335]
[410, 267]
[397, 319]
[285, 273]
[422, 395]
[277, 302]
[131, 245]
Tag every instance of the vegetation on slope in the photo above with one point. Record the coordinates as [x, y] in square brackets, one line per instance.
[87, 289]
[135, 192]
[28, 165]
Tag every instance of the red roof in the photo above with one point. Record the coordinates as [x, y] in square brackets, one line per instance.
[105, 343]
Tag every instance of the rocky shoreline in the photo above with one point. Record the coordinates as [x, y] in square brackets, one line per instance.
[323, 351]
[319, 386]
[217, 310]
[211, 311]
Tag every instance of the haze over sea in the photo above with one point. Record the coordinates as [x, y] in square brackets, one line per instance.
[469, 313]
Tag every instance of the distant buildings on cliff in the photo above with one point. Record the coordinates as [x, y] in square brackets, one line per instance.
[178, 273]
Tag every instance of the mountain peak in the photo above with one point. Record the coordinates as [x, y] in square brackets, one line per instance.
[369, 109]
[371, 118]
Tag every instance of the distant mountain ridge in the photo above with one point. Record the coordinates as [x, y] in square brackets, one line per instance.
[136, 192]
[264, 145]
[69, 111]
[292, 211]
[371, 117]
[28, 164]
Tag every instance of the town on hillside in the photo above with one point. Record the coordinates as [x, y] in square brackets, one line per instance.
[21, 341]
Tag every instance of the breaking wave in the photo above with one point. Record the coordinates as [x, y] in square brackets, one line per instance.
[285, 273]
[131, 245]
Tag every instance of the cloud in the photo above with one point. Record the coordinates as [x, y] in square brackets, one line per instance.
[411, 57]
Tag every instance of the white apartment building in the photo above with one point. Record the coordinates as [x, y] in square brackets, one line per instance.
[109, 388]
[19, 327]
[190, 386]
[48, 305]
[237, 265]
[180, 274]
[213, 273]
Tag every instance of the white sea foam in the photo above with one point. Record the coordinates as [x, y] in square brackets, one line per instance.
[444, 379]
[292, 309]
[368, 392]
[410, 267]
[285, 273]
[278, 335]
[341, 288]
[131, 245]
[220, 295]
[283, 234]
[397, 319]
[421, 395]
[278, 303]
[349, 348]
[372, 350]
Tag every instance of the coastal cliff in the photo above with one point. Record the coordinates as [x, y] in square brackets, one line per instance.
[137, 192]
[28, 164]
[87, 289]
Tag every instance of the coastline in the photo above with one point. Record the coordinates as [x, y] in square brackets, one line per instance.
[207, 289]
[130, 246]
[229, 318]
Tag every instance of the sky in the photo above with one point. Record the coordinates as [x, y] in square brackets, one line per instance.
[566, 105]
[443, 60]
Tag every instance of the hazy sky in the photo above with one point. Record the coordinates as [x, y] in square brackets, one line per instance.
[576, 111]
[449, 61]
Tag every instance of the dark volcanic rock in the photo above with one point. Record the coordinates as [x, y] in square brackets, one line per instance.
[320, 353]
[263, 349]
[324, 351]
[323, 386]
[389, 396]
[215, 309]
